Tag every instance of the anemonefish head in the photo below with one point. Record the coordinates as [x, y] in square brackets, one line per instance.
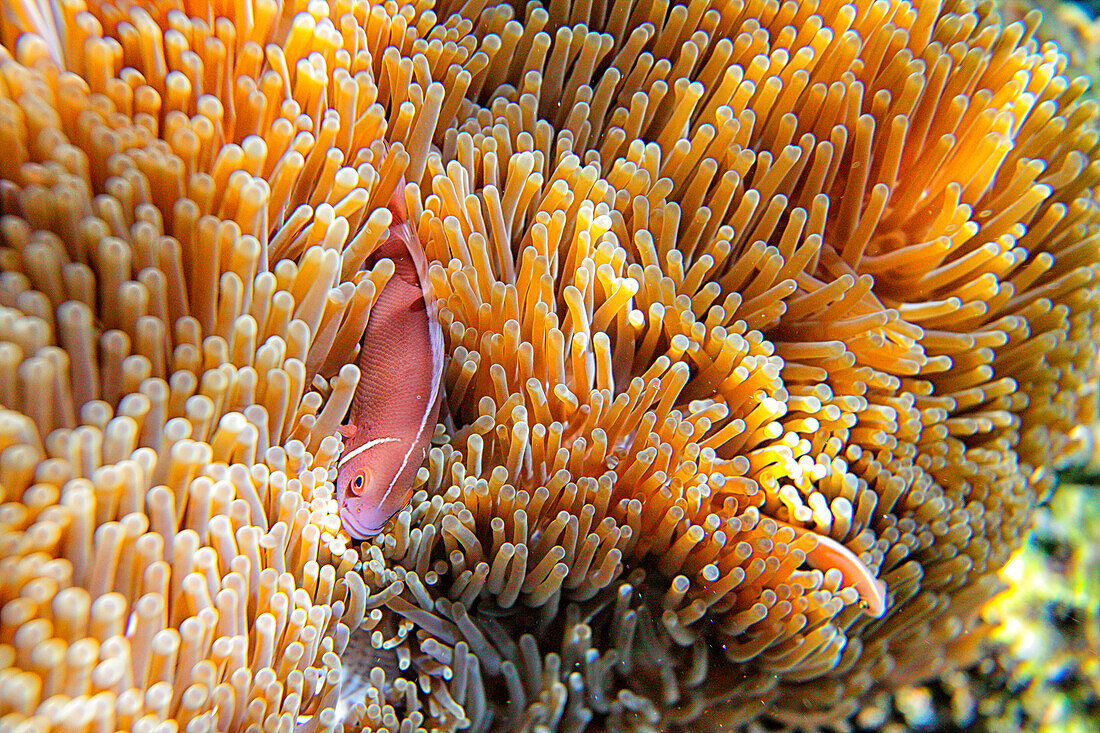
[365, 491]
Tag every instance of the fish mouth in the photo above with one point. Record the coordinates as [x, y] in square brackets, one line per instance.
[355, 527]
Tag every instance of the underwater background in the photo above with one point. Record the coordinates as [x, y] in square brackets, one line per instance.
[1038, 668]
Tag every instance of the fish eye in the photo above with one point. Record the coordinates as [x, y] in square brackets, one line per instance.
[357, 483]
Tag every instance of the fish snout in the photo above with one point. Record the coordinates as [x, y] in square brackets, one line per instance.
[360, 525]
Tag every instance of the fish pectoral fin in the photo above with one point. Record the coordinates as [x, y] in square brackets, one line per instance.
[347, 431]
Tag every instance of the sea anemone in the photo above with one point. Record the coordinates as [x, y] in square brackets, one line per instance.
[764, 323]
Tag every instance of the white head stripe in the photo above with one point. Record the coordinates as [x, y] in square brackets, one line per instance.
[356, 451]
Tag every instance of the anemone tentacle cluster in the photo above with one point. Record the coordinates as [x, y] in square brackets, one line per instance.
[764, 322]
